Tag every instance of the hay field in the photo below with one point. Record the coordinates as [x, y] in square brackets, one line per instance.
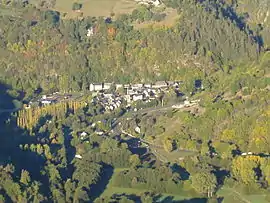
[96, 7]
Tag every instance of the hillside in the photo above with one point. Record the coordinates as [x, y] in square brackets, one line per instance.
[135, 107]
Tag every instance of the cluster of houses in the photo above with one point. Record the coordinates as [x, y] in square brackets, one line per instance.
[111, 95]
[130, 93]
[109, 101]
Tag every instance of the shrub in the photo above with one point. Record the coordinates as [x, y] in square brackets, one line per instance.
[76, 6]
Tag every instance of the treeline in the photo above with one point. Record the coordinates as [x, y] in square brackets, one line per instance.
[28, 118]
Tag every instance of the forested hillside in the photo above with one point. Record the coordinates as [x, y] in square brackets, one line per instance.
[56, 54]
[75, 150]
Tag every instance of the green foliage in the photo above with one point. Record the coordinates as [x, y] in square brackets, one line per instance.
[76, 6]
[86, 173]
[204, 182]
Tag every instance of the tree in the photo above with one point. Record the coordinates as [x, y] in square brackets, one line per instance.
[243, 168]
[52, 17]
[69, 190]
[25, 177]
[76, 6]
[80, 195]
[168, 145]
[87, 173]
[204, 182]
[134, 160]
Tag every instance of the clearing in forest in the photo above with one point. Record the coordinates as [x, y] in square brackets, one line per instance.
[96, 7]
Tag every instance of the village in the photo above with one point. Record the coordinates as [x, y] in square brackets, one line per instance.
[112, 95]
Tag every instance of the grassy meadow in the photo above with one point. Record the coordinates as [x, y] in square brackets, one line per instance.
[96, 7]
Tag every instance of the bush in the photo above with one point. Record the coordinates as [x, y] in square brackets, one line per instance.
[158, 17]
[76, 6]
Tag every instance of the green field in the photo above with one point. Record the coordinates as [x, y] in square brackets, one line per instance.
[174, 156]
[231, 195]
[96, 7]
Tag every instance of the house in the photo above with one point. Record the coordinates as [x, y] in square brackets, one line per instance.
[118, 86]
[137, 129]
[146, 93]
[156, 3]
[95, 87]
[127, 98]
[93, 125]
[137, 97]
[127, 86]
[78, 156]
[147, 85]
[195, 101]
[108, 95]
[48, 101]
[137, 86]
[178, 106]
[83, 134]
[98, 87]
[160, 84]
[99, 132]
[107, 86]
[186, 103]
[90, 32]
[130, 92]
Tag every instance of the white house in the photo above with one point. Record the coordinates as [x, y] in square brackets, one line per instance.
[99, 132]
[126, 85]
[107, 86]
[127, 98]
[46, 102]
[83, 134]
[186, 103]
[90, 32]
[78, 156]
[95, 87]
[137, 97]
[147, 85]
[118, 86]
[138, 130]
[160, 84]
[178, 106]
[156, 3]
[130, 92]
